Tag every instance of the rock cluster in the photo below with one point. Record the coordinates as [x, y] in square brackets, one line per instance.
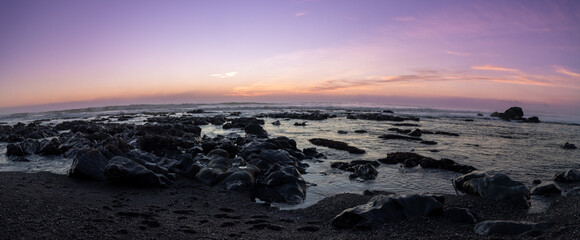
[413, 159]
[336, 145]
[498, 187]
[514, 113]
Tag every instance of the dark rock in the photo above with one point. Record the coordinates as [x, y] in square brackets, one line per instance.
[408, 159]
[316, 115]
[126, 171]
[49, 147]
[342, 132]
[406, 125]
[399, 137]
[89, 163]
[164, 145]
[241, 178]
[219, 164]
[281, 184]
[460, 215]
[451, 165]
[547, 189]
[14, 150]
[360, 131]
[310, 152]
[336, 145]
[570, 175]
[416, 133]
[430, 163]
[537, 181]
[300, 124]
[573, 192]
[277, 123]
[381, 209]
[568, 146]
[364, 172]
[381, 117]
[506, 228]
[283, 143]
[497, 187]
[533, 119]
[428, 142]
[256, 129]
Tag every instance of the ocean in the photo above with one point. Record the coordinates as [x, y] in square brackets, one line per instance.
[524, 151]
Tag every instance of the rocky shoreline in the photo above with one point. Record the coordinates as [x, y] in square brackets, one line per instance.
[45, 205]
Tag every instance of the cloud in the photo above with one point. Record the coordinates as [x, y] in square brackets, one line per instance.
[564, 71]
[300, 14]
[494, 68]
[224, 75]
[404, 19]
[461, 54]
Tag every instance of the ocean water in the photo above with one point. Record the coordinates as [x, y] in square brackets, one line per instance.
[524, 151]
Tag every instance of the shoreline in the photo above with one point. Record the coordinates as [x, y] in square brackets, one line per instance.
[45, 205]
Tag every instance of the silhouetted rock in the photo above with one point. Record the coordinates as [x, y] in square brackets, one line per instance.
[360, 131]
[336, 145]
[515, 113]
[568, 146]
[276, 123]
[381, 209]
[256, 129]
[381, 117]
[316, 115]
[416, 133]
[570, 175]
[89, 163]
[342, 132]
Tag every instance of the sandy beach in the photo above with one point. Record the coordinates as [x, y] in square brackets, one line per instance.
[49, 206]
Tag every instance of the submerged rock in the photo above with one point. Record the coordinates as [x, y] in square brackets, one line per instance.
[381, 209]
[506, 228]
[336, 145]
[364, 171]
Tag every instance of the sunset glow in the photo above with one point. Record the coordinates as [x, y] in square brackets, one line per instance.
[190, 51]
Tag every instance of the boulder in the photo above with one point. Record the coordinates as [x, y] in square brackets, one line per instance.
[14, 149]
[570, 175]
[218, 165]
[406, 158]
[240, 178]
[336, 145]
[126, 171]
[49, 147]
[89, 163]
[573, 192]
[256, 129]
[381, 209]
[460, 215]
[547, 188]
[281, 184]
[497, 187]
[364, 172]
[506, 228]
[568, 146]
[416, 133]
[276, 123]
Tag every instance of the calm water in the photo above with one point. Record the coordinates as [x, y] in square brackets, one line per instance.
[524, 151]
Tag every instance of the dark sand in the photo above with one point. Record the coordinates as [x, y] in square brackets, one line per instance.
[49, 206]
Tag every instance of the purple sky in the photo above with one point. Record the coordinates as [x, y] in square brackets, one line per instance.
[210, 51]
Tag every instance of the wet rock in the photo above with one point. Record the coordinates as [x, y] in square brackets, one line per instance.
[428, 142]
[14, 150]
[570, 175]
[360, 131]
[416, 133]
[165, 145]
[350, 166]
[219, 164]
[49, 147]
[497, 187]
[406, 158]
[547, 188]
[451, 165]
[568, 146]
[342, 132]
[89, 163]
[126, 171]
[399, 137]
[381, 209]
[506, 228]
[276, 123]
[460, 215]
[336, 145]
[256, 129]
[240, 178]
[364, 172]
[300, 124]
[316, 115]
[281, 184]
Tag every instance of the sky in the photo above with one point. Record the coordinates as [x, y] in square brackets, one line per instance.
[123, 52]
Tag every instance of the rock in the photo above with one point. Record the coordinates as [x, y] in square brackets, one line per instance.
[573, 192]
[497, 187]
[49, 147]
[342, 132]
[460, 215]
[350, 166]
[514, 113]
[570, 175]
[256, 129]
[14, 150]
[281, 184]
[364, 172]
[300, 124]
[381, 117]
[310, 152]
[407, 159]
[316, 115]
[89, 163]
[241, 178]
[381, 209]
[547, 188]
[428, 142]
[336, 145]
[568, 146]
[533, 119]
[416, 133]
[537, 181]
[451, 165]
[399, 137]
[218, 165]
[360, 131]
[276, 123]
[504, 227]
[126, 171]
[164, 145]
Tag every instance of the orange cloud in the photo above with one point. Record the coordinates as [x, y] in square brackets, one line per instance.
[494, 68]
[566, 72]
